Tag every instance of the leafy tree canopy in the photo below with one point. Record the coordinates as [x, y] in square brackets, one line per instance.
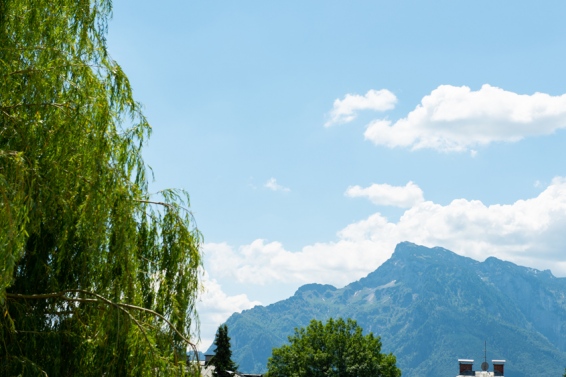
[335, 349]
[222, 359]
[96, 277]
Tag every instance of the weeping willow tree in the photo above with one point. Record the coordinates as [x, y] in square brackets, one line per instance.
[97, 277]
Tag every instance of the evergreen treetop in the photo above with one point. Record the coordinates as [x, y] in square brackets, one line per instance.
[222, 359]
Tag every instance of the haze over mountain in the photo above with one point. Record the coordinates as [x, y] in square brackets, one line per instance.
[430, 306]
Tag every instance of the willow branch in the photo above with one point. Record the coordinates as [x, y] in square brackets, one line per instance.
[4, 152]
[54, 104]
[168, 205]
[100, 298]
[118, 306]
[52, 68]
[62, 296]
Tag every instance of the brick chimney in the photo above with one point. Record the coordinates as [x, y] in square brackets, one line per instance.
[466, 367]
[498, 367]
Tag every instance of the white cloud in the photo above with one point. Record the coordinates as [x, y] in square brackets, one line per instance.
[383, 194]
[345, 110]
[263, 262]
[215, 307]
[528, 232]
[454, 118]
[273, 185]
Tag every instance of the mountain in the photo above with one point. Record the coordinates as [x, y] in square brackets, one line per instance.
[430, 306]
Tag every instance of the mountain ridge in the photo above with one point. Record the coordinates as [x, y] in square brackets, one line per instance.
[430, 306]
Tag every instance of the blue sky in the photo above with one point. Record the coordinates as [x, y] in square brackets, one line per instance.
[313, 136]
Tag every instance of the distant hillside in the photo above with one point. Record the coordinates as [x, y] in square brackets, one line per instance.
[430, 307]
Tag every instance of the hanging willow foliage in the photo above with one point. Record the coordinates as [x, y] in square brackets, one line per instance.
[96, 277]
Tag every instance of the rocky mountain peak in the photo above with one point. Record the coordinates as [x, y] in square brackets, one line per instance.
[430, 306]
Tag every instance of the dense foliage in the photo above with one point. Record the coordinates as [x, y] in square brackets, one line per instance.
[335, 349]
[96, 277]
[222, 359]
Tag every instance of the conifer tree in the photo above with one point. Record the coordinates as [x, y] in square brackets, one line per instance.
[97, 277]
[222, 359]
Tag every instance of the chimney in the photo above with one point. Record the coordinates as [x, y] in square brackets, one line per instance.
[498, 367]
[466, 367]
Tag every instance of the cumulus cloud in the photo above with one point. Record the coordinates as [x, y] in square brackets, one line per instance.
[215, 306]
[263, 262]
[454, 118]
[528, 232]
[383, 194]
[274, 186]
[345, 110]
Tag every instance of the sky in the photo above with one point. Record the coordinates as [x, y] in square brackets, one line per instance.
[313, 136]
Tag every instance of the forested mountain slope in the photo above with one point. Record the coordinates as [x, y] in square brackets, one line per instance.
[430, 306]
